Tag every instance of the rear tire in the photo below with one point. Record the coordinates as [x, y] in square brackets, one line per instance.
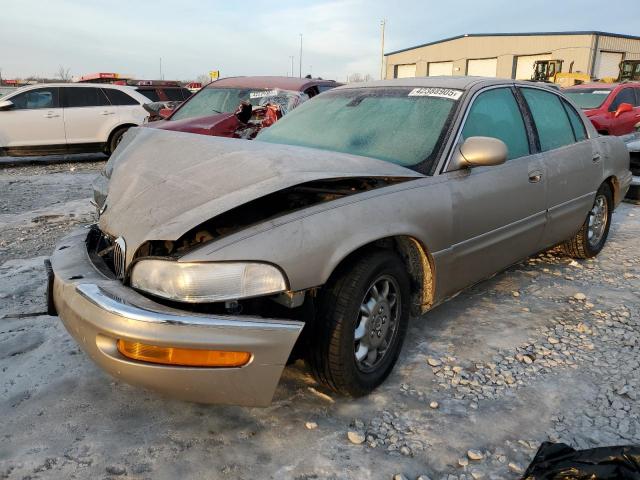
[115, 139]
[592, 236]
[361, 322]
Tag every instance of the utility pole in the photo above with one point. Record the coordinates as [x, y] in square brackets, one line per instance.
[300, 55]
[291, 57]
[382, 24]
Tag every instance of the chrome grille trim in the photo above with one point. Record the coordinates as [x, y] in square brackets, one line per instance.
[119, 252]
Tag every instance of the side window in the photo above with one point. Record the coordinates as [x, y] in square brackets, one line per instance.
[118, 97]
[496, 114]
[550, 117]
[579, 131]
[75, 97]
[38, 98]
[624, 96]
[186, 93]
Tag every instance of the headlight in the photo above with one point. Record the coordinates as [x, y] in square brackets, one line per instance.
[206, 282]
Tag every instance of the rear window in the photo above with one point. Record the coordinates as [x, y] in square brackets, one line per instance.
[587, 98]
[76, 97]
[118, 97]
[404, 126]
[150, 93]
[175, 94]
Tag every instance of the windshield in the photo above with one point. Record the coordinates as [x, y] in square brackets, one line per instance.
[400, 125]
[210, 101]
[587, 98]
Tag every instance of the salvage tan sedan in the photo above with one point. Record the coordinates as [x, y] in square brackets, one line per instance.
[215, 261]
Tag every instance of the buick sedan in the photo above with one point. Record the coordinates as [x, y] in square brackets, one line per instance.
[216, 261]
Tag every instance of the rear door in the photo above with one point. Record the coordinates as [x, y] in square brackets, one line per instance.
[573, 164]
[89, 117]
[36, 119]
[499, 211]
[129, 109]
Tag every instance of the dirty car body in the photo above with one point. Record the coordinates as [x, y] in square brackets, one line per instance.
[321, 246]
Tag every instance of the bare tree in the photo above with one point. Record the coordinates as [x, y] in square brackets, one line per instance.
[63, 74]
[358, 77]
[203, 79]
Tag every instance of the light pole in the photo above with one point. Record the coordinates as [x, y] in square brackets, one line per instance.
[291, 57]
[300, 56]
[382, 25]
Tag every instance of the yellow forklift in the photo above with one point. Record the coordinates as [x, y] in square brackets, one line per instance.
[629, 71]
[551, 71]
[546, 70]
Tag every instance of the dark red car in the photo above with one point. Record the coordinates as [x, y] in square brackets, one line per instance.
[613, 108]
[240, 107]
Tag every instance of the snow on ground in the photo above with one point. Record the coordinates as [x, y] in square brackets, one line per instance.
[546, 350]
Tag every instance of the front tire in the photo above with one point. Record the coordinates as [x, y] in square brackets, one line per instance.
[362, 319]
[592, 236]
[115, 140]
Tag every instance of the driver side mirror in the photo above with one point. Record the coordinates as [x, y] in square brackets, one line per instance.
[6, 105]
[482, 151]
[623, 108]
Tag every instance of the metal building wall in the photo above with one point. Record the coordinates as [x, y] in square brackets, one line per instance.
[570, 48]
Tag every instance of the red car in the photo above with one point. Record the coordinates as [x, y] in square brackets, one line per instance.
[613, 108]
[239, 107]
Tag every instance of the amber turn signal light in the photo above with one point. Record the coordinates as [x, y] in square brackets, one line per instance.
[188, 357]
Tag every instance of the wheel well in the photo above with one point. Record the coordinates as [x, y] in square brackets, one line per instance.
[117, 129]
[418, 262]
[614, 184]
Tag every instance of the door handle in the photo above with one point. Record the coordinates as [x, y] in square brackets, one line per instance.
[51, 115]
[596, 157]
[107, 113]
[535, 177]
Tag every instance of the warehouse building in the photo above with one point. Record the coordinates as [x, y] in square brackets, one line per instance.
[512, 55]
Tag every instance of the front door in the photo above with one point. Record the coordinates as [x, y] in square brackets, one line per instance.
[498, 211]
[572, 165]
[625, 122]
[89, 117]
[35, 122]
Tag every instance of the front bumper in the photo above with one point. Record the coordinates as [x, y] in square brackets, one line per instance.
[98, 310]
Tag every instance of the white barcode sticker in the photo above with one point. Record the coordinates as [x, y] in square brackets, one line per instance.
[265, 93]
[436, 92]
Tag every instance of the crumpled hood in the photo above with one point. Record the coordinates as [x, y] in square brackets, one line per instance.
[203, 125]
[165, 183]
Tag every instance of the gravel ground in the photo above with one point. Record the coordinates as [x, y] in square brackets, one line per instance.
[545, 350]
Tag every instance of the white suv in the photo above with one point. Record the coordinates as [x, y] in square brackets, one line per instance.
[68, 118]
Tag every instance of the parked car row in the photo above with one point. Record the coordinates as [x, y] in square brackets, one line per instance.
[215, 261]
[85, 117]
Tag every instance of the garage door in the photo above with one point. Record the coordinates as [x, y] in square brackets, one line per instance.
[524, 65]
[440, 68]
[487, 67]
[406, 71]
[609, 65]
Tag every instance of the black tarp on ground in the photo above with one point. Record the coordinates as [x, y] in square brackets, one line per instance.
[557, 461]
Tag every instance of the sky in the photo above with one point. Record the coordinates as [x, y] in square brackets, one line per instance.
[340, 37]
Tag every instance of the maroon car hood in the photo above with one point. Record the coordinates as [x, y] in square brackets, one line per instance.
[591, 112]
[220, 125]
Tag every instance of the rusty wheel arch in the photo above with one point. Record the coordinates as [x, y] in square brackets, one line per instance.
[417, 260]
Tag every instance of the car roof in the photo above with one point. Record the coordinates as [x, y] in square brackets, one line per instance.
[445, 81]
[285, 83]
